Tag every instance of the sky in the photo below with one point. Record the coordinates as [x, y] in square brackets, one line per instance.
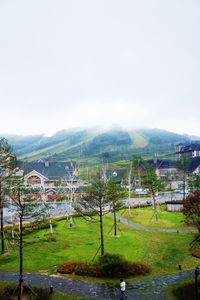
[75, 63]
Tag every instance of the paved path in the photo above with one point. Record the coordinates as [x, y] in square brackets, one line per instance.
[146, 228]
[149, 289]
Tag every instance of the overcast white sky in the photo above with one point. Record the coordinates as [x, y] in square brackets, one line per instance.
[69, 63]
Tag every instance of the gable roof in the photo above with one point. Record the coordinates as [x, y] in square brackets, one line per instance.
[189, 148]
[51, 170]
[161, 164]
[34, 172]
[195, 163]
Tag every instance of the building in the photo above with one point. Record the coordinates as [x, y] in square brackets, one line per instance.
[194, 166]
[191, 150]
[174, 205]
[51, 178]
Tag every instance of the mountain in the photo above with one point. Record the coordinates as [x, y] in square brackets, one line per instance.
[96, 145]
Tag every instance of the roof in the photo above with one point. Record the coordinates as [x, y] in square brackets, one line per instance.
[195, 163]
[161, 164]
[51, 170]
[189, 148]
[179, 202]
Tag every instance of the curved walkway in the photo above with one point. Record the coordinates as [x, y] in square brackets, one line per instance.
[147, 228]
[149, 289]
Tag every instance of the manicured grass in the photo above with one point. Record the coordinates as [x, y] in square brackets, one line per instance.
[161, 251]
[146, 217]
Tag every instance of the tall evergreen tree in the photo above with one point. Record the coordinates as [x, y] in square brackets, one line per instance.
[26, 203]
[7, 165]
[94, 200]
[154, 184]
[115, 192]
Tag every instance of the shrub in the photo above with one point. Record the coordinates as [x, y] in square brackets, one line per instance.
[196, 251]
[185, 291]
[30, 227]
[40, 294]
[78, 269]
[136, 269]
[112, 265]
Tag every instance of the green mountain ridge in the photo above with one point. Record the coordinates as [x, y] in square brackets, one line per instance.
[98, 145]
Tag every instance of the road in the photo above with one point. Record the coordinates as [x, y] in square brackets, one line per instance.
[64, 208]
[161, 198]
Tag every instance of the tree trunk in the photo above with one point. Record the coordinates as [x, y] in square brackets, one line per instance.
[101, 229]
[115, 222]
[1, 216]
[21, 280]
[184, 185]
[155, 207]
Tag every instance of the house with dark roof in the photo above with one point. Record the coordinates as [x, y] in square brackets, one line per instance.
[191, 150]
[165, 169]
[168, 170]
[50, 176]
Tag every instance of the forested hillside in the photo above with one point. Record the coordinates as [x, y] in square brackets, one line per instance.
[97, 145]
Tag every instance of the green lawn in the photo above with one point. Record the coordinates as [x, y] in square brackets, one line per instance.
[145, 216]
[161, 251]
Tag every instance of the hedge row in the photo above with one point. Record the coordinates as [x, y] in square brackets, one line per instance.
[29, 227]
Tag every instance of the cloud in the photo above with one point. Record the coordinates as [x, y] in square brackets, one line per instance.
[82, 63]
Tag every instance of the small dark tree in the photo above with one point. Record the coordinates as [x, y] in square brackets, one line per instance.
[26, 202]
[115, 192]
[7, 164]
[93, 200]
[191, 210]
[151, 181]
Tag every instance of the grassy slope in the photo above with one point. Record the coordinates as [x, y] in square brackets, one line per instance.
[161, 251]
[165, 219]
[138, 139]
[51, 150]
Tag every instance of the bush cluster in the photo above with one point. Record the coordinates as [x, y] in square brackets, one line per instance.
[36, 225]
[185, 291]
[196, 251]
[109, 265]
[112, 265]
[78, 269]
[31, 226]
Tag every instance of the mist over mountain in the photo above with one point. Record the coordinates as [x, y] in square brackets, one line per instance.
[97, 144]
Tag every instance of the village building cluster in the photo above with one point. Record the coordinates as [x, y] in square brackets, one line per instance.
[55, 178]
